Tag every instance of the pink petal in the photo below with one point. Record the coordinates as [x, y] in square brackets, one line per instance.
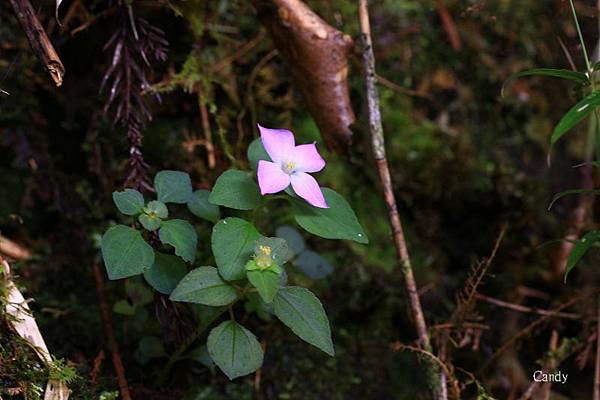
[271, 178]
[277, 142]
[307, 158]
[307, 187]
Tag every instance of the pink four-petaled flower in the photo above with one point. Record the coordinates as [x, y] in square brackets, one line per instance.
[290, 165]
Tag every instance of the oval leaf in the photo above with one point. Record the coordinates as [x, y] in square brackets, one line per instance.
[125, 252]
[173, 186]
[581, 247]
[181, 235]
[578, 112]
[200, 207]
[302, 312]
[234, 349]
[266, 282]
[204, 286]
[336, 222]
[294, 239]
[313, 265]
[232, 245]
[129, 201]
[165, 273]
[235, 189]
[257, 152]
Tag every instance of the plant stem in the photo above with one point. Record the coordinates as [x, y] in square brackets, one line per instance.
[189, 341]
[585, 55]
[377, 138]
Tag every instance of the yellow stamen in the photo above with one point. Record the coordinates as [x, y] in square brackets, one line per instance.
[288, 167]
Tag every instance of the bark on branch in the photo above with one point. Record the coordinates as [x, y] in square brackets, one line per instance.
[317, 57]
[39, 41]
[378, 143]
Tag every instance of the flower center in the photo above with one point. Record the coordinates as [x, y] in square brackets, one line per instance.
[288, 167]
[263, 259]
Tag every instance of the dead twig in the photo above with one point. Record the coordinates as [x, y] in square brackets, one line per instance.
[39, 41]
[525, 309]
[449, 25]
[597, 364]
[108, 331]
[529, 328]
[13, 250]
[378, 144]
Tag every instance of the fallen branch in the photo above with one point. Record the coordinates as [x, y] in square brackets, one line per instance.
[38, 40]
[378, 144]
[13, 250]
[317, 57]
[25, 326]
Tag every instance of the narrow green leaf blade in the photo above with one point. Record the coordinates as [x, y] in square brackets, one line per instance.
[125, 252]
[173, 186]
[577, 113]
[581, 247]
[165, 273]
[234, 349]
[564, 193]
[235, 189]
[576, 76]
[204, 286]
[182, 236]
[129, 201]
[336, 222]
[303, 313]
[232, 245]
[201, 207]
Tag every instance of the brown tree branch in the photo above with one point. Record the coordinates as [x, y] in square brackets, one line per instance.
[317, 57]
[378, 143]
[39, 41]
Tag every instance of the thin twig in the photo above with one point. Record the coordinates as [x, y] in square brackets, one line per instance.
[377, 138]
[525, 309]
[108, 331]
[529, 328]
[39, 41]
[597, 366]
[13, 250]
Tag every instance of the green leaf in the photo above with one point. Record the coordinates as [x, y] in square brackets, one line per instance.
[234, 349]
[232, 245]
[336, 222]
[294, 239]
[165, 273]
[302, 312]
[204, 286]
[200, 207]
[125, 252]
[313, 265]
[181, 235]
[266, 282]
[235, 189]
[257, 152]
[576, 76]
[578, 112]
[129, 201]
[138, 293]
[560, 195]
[157, 208]
[581, 247]
[149, 222]
[173, 186]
